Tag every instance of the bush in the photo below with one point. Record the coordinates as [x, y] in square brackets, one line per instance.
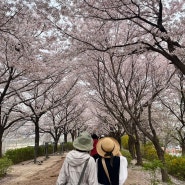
[126, 154]
[124, 141]
[149, 152]
[153, 165]
[176, 166]
[20, 154]
[23, 154]
[68, 146]
[5, 163]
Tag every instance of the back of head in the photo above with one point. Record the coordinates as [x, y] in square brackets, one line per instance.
[83, 142]
[94, 136]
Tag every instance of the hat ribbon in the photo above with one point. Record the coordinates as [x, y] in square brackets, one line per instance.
[108, 153]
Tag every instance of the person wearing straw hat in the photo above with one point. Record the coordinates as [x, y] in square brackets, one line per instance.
[79, 167]
[111, 166]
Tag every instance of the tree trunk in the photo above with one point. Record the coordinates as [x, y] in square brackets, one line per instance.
[65, 137]
[73, 135]
[183, 149]
[160, 154]
[1, 143]
[55, 145]
[138, 154]
[131, 146]
[138, 150]
[36, 142]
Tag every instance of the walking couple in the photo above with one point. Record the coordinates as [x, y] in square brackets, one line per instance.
[80, 168]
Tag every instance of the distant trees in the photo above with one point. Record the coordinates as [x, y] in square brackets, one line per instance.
[61, 118]
[36, 101]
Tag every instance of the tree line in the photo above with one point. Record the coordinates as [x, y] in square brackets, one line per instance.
[128, 56]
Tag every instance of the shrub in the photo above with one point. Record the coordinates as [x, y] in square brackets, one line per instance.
[126, 154]
[5, 163]
[149, 152]
[23, 154]
[124, 141]
[20, 154]
[176, 166]
[68, 146]
[153, 165]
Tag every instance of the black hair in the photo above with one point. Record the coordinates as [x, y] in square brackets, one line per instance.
[94, 136]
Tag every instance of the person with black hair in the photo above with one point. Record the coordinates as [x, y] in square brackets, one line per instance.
[94, 152]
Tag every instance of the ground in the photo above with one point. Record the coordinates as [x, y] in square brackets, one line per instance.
[46, 173]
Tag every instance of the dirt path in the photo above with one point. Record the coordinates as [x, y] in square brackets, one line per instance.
[46, 173]
[29, 173]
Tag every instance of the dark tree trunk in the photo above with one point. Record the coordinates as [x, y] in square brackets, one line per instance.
[138, 150]
[1, 147]
[73, 134]
[36, 142]
[131, 146]
[65, 137]
[55, 146]
[160, 154]
[183, 149]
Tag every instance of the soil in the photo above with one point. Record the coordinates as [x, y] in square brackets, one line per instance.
[45, 172]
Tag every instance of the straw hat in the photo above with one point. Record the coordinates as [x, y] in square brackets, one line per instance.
[83, 142]
[108, 146]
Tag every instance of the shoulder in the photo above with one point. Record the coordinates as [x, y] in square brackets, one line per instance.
[91, 159]
[91, 162]
[71, 153]
[123, 160]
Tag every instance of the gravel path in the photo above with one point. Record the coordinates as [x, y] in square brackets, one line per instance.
[46, 173]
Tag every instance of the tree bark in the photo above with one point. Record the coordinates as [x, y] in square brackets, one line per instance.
[138, 150]
[36, 142]
[1, 147]
[131, 147]
[183, 149]
[160, 154]
[65, 137]
[55, 145]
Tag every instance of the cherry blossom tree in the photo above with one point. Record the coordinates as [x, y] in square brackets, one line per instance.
[61, 119]
[37, 101]
[150, 26]
[12, 83]
[175, 102]
[27, 58]
[16, 61]
[125, 86]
